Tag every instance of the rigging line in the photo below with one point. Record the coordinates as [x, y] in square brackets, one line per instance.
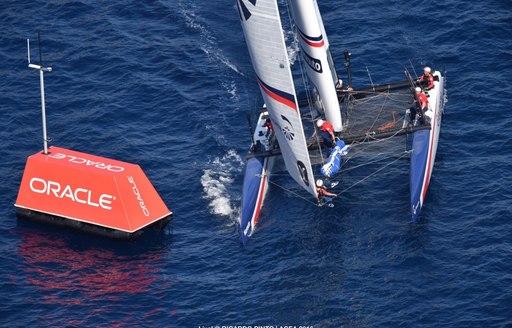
[366, 150]
[366, 144]
[385, 139]
[370, 77]
[349, 103]
[370, 95]
[369, 176]
[292, 192]
[378, 114]
[415, 74]
[354, 155]
[396, 97]
[371, 161]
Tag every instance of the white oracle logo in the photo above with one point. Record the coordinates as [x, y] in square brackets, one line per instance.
[78, 195]
[87, 162]
[136, 192]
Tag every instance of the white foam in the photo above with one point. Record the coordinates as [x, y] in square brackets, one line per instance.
[232, 90]
[217, 180]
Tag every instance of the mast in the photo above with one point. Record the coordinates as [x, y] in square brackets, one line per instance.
[347, 65]
[315, 52]
[41, 69]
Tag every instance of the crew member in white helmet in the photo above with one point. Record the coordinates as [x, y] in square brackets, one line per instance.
[327, 132]
[427, 76]
[339, 86]
[322, 191]
[422, 99]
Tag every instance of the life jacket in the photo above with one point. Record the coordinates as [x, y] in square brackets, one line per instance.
[430, 79]
[327, 127]
[269, 126]
[422, 100]
[321, 191]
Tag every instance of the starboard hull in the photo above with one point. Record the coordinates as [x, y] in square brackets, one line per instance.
[424, 149]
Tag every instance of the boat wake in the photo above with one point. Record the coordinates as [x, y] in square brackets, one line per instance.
[209, 44]
[216, 181]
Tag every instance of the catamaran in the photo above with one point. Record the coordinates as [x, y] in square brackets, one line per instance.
[355, 117]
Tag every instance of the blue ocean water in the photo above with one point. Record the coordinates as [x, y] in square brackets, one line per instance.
[167, 85]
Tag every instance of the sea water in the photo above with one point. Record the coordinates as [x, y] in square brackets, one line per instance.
[167, 85]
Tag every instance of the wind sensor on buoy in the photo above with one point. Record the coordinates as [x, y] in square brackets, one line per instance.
[90, 193]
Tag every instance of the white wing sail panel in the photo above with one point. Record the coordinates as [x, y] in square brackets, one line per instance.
[264, 36]
[327, 46]
[313, 46]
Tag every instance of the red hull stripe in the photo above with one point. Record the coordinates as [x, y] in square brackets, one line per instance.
[429, 169]
[261, 194]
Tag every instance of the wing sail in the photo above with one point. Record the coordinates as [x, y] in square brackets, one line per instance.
[263, 31]
[315, 52]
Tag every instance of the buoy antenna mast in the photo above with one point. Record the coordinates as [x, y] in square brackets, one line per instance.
[41, 69]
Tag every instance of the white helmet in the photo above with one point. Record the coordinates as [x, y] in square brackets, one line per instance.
[319, 122]
[319, 183]
[340, 83]
[426, 69]
[418, 89]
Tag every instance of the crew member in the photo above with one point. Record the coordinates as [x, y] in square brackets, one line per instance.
[419, 107]
[269, 126]
[427, 76]
[322, 191]
[339, 86]
[422, 99]
[327, 132]
[257, 147]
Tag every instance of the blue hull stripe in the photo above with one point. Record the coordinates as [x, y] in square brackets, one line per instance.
[419, 162]
[252, 194]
